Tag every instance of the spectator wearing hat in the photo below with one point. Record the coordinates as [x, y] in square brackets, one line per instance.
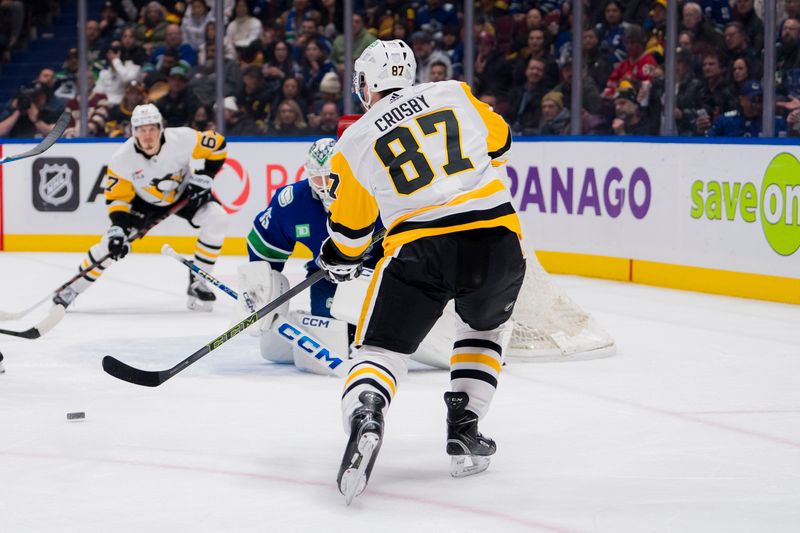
[152, 31]
[289, 120]
[423, 45]
[628, 119]
[555, 117]
[119, 115]
[753, 26]
[361, 39]
[177, 106]
[110, 25]
[203, 77]
[536, 48]
[655, 27]
[245, 28]
[237, 123]
[638, 67]
[327, 122]
[174, 39]
[611, 31]
[746, 120]
[193, 25]
[715, 92]
[525, 108]
[330, 91]
[736, 45]
[493, 72]
[688, 98]
[255, 98]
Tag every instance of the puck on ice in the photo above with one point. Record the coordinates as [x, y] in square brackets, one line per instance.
[76, 416]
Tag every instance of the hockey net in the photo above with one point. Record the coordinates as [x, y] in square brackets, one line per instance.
[549, 326]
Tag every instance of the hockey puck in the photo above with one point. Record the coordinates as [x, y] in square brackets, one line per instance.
[76, 416]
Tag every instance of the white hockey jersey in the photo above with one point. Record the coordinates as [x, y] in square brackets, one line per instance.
[425, 157]
[162, 178]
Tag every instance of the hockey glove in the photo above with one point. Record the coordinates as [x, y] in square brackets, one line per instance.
[199, 190]
[117, 240]
[337, 267]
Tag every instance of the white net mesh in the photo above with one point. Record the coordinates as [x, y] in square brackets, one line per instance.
[549, 326]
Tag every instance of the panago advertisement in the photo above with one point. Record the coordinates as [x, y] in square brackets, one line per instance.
[721, 218]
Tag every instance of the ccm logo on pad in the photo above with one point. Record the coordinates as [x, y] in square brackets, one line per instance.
[308, 345]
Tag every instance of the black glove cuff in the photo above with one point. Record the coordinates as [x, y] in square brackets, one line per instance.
[333, 256]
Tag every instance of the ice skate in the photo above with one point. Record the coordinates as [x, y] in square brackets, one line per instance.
[469, 450]
[201, 298]
[366, 434]
[65, 297]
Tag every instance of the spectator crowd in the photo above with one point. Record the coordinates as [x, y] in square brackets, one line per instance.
[284, 64]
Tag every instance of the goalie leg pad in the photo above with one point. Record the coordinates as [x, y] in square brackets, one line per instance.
[319, 344]
[476, 361]
[258, 285]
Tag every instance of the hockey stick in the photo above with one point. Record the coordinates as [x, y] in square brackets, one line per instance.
[154, 378]
[55, 315]
[288, 332]
[170, 251]
[51, 138]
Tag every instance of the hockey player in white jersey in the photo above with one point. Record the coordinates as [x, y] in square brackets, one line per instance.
[150, 172]
[426, 157]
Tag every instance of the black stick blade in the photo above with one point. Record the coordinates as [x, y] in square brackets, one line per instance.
[31, 333]
[120, 370]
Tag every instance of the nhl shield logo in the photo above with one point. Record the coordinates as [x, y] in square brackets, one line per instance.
[56, 184]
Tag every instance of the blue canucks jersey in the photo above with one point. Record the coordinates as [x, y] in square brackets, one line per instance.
[294, 215]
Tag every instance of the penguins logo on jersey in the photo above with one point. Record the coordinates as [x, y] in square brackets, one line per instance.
[165, 187]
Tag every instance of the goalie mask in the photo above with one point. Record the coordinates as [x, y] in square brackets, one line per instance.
[382, 66]
[318, 169]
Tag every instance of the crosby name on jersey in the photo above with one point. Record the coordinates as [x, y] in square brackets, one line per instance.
[431, 169]
[160, 179]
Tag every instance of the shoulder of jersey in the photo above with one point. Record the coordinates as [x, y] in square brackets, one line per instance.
[181, 134]
[124, 152]
[289, 194]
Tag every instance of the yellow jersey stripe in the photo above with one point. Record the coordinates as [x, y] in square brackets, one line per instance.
[487, 190]
[368, 299]
[476, 358]
[508, 221]
[374, 371]
[498, 135]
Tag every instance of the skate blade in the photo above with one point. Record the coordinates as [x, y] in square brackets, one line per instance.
[354, 480]
[468, 465]
[194, 304]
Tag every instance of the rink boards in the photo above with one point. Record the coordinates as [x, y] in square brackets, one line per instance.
[713, 217]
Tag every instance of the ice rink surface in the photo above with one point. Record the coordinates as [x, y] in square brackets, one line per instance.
[693, 426]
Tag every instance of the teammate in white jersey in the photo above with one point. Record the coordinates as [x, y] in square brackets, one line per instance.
[147, 174]
[426, 157]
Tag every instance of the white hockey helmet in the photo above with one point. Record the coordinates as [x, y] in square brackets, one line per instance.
[318, 169]
[145, 114]
[384, 65]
